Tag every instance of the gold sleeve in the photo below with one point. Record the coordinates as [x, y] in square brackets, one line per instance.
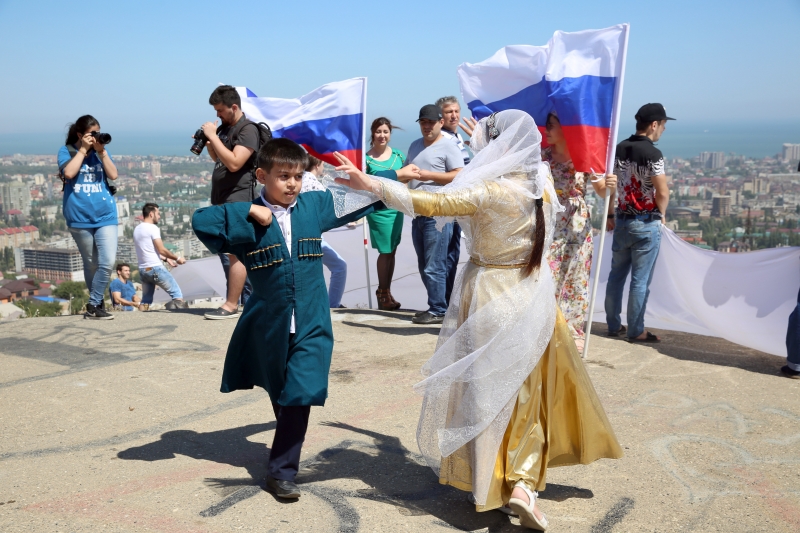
[460, 203]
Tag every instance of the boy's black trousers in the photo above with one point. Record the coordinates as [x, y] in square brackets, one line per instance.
[290, 432]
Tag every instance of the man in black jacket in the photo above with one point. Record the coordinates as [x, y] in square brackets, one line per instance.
[233, 147]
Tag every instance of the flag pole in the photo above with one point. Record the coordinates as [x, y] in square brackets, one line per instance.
[364, 169]
[610, 154]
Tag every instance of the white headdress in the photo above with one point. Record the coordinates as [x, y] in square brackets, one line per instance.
[505, 143]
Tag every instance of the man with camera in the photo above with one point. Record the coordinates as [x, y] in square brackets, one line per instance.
[233, 147]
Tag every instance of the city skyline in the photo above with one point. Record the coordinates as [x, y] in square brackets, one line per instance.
[684, 139]
[155, 72]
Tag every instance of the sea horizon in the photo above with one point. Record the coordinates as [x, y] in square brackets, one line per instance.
[681, 139]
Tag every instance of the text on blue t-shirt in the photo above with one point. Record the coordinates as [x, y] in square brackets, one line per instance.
[87, 201]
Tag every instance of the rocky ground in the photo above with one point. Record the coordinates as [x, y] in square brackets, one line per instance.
[120, 426]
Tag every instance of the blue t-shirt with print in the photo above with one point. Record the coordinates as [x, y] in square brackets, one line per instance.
[87, 201]
[127, 291]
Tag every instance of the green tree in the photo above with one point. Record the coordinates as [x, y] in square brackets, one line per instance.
[37, 308]
[7, 259]
[74, 291]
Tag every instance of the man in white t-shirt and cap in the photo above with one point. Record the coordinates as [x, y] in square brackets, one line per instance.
[150, 250]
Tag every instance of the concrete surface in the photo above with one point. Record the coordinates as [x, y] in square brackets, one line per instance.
[119, 426]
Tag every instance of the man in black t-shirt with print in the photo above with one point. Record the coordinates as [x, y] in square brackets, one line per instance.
[233, 147]
[642, 199]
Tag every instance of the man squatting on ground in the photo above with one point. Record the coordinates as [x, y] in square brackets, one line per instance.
[232, 146]
[283, 341]
[150, 250]
[123, 293]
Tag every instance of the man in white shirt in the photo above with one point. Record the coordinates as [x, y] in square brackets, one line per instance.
[150, 250]
[451, 113]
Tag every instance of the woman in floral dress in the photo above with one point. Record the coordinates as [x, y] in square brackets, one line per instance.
[570, 254]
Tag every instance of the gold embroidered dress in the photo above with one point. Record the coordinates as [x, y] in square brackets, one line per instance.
[506, 394]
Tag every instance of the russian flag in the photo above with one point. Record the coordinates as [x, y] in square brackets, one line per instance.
[579, 75]
[329, 119]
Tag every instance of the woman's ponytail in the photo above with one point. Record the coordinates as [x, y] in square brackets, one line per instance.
[538, 240]
[81, 126]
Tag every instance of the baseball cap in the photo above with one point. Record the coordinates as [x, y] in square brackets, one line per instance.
[430, 112]
[651, 112]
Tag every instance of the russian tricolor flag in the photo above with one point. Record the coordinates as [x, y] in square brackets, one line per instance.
[579, 75]
[329, 119]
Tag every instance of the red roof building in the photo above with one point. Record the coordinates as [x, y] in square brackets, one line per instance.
[16, 237]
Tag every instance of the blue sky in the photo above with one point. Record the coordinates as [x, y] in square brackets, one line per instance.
[149, 66]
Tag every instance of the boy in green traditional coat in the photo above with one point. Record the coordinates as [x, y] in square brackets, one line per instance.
[284, 340]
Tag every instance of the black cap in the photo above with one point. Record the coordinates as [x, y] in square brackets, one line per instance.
[430, 112]
[652, 112]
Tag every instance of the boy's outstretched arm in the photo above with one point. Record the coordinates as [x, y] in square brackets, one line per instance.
[221, 227]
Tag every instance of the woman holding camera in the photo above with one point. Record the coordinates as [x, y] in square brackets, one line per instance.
[89, 207]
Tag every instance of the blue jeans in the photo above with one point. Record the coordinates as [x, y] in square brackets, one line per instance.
[793, 338]
[98, 247]
[434, 260]
[226, 267]
[338, 267]
[158, 276]
[635, 250]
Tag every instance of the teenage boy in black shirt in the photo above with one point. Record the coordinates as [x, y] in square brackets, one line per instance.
[642, 198]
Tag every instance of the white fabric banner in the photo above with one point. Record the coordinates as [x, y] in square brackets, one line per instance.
[745, 298]
[198, 279]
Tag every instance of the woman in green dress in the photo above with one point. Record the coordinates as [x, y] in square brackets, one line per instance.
[386, 226]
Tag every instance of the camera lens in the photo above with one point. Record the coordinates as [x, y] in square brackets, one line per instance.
[102, 138]
[200, 141]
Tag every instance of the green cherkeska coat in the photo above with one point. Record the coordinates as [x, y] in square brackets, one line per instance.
[293, 370]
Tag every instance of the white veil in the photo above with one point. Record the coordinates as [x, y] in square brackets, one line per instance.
[472, 381]
[512, 147]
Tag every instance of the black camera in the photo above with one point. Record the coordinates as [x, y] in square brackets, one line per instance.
[102, 138]
[200, 141]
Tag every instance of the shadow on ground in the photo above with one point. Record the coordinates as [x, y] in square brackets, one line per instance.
[709, 350]
[402, 331]
[197, 311]
[227, 446]
[393, 475]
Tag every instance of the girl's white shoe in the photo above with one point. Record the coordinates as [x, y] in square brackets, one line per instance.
[525, 510]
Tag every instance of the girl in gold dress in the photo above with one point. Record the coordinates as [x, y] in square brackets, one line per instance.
[506, 394]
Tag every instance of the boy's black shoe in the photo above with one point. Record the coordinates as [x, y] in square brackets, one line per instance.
[282, 488]
[427, 318]
[789, 373]
[97, 313]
